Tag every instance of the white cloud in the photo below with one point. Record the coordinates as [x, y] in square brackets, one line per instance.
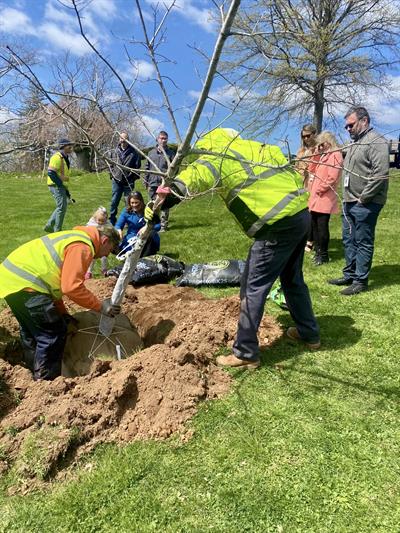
[144, 69]
[385, 108]
[226, 95]
[73, 42]
[149, 125]
[105, 9]
[16, 22]
[187, 9]
[7, 116]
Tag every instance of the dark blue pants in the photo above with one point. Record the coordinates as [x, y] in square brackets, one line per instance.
[280, 254]
[117, 190]
[43, 332]
[358, 226]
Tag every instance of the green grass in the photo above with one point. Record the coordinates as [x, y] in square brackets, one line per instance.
[309, 443]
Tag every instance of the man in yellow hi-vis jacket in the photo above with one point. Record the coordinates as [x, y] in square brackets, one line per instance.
[267, 198]
[57, 179]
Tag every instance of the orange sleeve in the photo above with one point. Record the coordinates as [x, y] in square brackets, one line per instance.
[77, 259]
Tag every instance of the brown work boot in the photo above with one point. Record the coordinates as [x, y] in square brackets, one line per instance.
[234, 362]
[293, 334]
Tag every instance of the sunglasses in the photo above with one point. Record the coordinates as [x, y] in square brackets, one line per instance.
[306, 136]
[350, 126]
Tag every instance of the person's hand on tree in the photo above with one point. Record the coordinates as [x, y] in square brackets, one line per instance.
[162, 190]
[148, 212]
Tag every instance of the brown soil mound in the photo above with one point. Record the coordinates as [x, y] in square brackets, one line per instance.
[149, 395]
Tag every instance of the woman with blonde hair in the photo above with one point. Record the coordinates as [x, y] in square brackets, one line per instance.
[323, 200]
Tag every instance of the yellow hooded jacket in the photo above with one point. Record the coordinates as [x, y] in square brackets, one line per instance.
[254, 180]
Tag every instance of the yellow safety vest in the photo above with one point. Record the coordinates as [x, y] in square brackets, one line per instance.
[254, 180]
[37, 264]
[58, 164]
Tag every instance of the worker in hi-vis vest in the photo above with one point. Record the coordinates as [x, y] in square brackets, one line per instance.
[266, 197]
[57, 181]
[35, 276]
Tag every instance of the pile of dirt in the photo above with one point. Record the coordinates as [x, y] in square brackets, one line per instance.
[149, 395]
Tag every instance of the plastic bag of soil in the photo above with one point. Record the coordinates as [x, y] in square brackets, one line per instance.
[225, 273]
[152, 269]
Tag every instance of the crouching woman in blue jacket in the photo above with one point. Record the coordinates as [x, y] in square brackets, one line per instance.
[132, 216]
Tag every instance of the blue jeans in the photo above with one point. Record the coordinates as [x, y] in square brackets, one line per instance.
[281, 254]
[358, 226]
[56, 219]
[43, 332]
[117, 190]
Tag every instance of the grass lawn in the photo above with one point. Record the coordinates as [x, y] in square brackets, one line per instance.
[309, 443]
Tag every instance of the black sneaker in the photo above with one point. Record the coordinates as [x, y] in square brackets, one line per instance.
[354, 288]
[340, 281]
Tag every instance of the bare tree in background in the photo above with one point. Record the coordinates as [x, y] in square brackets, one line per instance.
[313, 55]
[94, 102]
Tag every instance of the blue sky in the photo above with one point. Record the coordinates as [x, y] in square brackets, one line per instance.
[52, 29]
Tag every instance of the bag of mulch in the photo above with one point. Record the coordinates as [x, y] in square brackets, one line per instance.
[225, 273]
[152, 269]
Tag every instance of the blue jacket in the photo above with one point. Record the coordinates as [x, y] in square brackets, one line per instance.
[134, 222]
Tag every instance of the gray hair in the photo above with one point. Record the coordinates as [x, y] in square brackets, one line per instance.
[360, 113]
[109, 231]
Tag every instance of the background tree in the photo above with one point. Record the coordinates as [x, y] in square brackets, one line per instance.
[307, 57]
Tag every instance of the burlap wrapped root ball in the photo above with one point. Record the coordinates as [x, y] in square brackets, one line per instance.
[85, 344]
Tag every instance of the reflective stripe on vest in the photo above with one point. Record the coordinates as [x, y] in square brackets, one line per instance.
[212, 169]
[53, 255]
[274, 211]
[25, 275]
[251, 177]
[246, 167]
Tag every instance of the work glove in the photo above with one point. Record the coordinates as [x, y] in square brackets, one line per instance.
[163, 190]
[110, 309]
[148, 212]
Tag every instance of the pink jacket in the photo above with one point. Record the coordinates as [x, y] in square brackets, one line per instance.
[324, 183]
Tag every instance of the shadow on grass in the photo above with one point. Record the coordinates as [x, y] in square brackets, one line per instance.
[337, 332]
[383, 275]
[389, 392]
[336, 252]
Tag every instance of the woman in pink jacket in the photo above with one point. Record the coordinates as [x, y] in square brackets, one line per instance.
[323, 200]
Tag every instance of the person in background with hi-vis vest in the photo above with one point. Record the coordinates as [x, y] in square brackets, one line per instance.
[267, 198]
[35, 276]
[58, 176]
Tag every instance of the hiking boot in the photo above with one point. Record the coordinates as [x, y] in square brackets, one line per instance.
[321, 259]
[234, 362]
[354, 288]
[294, 335]
[340, 281]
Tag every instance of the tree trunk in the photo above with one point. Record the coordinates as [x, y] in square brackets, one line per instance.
[318, 107]
[83, 158]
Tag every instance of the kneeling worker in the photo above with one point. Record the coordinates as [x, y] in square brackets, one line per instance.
[35, 276]
[267, 198]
